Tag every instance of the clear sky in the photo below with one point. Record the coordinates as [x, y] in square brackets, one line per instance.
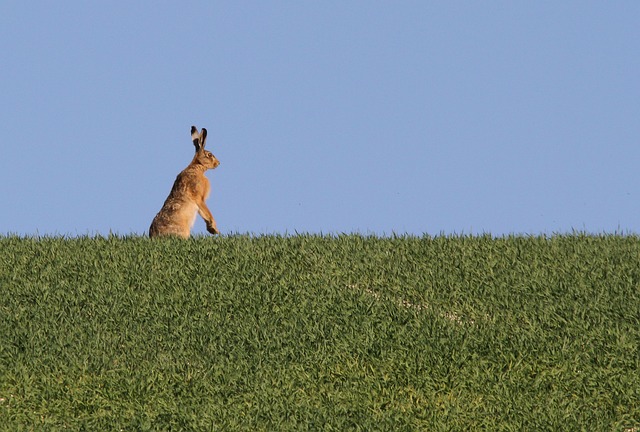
[327, 116]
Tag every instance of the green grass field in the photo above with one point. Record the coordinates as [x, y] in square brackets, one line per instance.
[321, 333]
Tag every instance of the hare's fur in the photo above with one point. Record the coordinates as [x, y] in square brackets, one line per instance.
[188, 195]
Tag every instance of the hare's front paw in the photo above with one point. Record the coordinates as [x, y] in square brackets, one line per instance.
[212, 229]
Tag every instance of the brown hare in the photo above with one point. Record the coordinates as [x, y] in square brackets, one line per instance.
[188, 195]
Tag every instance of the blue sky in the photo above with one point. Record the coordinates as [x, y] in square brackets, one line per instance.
[335, 116]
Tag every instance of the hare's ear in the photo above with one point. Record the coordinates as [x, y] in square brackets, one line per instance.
[203, 138]
[195, 137]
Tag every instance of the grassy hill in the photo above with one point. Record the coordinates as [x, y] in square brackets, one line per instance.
[320, 333]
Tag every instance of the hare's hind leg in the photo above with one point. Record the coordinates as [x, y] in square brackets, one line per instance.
[171, 223]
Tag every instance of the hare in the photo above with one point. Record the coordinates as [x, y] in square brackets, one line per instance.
[188, 195]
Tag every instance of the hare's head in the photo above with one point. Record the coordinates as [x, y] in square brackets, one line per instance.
[202, 157]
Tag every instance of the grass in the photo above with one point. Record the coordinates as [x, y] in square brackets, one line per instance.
[320, 333]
